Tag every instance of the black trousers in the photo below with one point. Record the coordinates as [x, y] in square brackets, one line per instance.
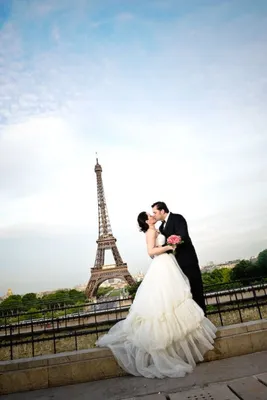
[196, 284]
[197, 292]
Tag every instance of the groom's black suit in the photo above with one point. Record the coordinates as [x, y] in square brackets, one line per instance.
[185, 255]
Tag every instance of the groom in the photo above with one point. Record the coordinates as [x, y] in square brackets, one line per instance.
[175, 224]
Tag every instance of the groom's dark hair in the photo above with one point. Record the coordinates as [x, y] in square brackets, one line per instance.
[161, 206]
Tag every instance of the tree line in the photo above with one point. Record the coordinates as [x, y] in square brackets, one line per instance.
[31, 303]
[245, 271]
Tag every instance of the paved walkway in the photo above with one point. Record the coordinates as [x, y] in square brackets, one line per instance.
[236, 378]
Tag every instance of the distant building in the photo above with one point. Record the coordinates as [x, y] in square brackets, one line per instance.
[80, 288]
[41, 294]
[120, 284]
[227, 264]
[8, 293]
[115, 283]
[139, 276]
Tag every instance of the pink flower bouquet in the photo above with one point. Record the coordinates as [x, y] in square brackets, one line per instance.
[173, 241]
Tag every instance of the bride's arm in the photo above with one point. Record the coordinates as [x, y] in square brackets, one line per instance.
[151, 244]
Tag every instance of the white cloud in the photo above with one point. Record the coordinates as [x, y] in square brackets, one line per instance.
[30, 152]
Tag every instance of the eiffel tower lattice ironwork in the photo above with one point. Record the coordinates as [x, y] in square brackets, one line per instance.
[106, 241]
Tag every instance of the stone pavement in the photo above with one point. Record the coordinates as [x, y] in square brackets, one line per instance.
[243, 377]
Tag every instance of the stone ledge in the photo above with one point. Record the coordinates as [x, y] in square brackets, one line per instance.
[96, 364]
[239, 339]
[54, 359]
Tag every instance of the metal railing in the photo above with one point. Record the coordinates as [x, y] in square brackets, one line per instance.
[77, 327]
[22, 338]
[235, 284]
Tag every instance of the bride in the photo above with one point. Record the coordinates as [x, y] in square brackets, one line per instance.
[165, 333]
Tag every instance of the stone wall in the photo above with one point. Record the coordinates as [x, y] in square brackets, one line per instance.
[96, 364]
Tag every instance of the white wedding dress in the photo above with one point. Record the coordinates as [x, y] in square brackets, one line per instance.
[165, 332]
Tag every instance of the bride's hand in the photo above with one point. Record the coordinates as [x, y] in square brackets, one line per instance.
[170, 247]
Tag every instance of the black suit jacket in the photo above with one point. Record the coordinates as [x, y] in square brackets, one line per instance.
[185, 253]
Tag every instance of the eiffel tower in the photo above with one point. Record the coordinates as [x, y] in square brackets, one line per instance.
[106, 241]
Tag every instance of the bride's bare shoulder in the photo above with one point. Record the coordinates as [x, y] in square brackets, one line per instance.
[151, 233]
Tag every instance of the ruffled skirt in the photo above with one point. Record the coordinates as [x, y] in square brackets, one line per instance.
[165, 333]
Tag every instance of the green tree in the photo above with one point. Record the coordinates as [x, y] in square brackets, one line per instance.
[243, 270]
[58, 299]
[63, 298]
[102, 291]
[262, 262]
[132, 289]
[77, 296]
[216, 278]
[32, 313]
[30, 300]
[226, 274]
[207, 279]
[12, 304]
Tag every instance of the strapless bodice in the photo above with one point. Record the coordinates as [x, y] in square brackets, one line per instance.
[160, 241]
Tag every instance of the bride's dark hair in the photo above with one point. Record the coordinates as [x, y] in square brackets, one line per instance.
[141, 219]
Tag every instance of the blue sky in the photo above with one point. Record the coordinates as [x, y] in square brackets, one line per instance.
[172, 95]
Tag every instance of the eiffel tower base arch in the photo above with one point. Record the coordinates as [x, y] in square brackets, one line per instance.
[100, 275]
